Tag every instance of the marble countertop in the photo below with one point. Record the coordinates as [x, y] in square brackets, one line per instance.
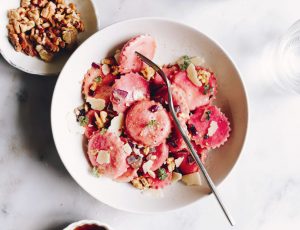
[37, 193]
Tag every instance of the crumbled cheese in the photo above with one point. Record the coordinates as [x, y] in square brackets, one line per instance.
[178, 161]
[103, 157]
[116, 124]
[192, 179]
[105, 69]
[212, 128]
[151, 173]
[96, 103]
[127, 148]
[176, 177]
[193, 75]
[198, 61]
[153, 157]
[184, 115]
[138, 95]
[117, 55]
[147, 166]
[137, 151]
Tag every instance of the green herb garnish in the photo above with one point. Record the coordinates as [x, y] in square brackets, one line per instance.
[186, 62]
[206, 136]
[95, 172]
[208, 112]
[152, 123]
[98, 79]
[103, 131]
[206, 88]
[83, 120]
[162, 174]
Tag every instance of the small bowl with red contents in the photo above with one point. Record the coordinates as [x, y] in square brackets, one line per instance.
[88, 225]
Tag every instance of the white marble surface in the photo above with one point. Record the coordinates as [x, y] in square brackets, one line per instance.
[262, 192]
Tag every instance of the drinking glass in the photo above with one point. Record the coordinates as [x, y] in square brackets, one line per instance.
[287, 60]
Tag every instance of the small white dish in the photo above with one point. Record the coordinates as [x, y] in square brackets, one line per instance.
[173, 40]
[84, 222]
[34, 65]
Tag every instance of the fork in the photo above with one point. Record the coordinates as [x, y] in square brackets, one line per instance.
[185, 137]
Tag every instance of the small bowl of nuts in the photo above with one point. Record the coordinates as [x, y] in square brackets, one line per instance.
[38, 36]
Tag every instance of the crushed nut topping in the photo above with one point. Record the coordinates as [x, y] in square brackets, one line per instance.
[148, 73]
[140, 183]
[100, 120]
[44, 28]
[171, 164]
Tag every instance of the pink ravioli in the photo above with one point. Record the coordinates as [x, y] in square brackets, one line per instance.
[144, 44]
[169, 70]
[128, 176]
[195, 96]
[148, 123]
[179, 101]
[175, 141]
[112, 144]
[103, 83]
[200, 123]
[129, 88]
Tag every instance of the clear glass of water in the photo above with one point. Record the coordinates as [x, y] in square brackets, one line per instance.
[287, 60]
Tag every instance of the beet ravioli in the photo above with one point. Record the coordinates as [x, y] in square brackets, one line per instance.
[130, 132]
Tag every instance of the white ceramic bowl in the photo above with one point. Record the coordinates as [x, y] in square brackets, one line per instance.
[34, 65]
[173, 40]
[83, 222]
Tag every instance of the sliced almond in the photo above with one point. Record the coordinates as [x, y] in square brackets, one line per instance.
[151, 173]
[103, 116]
[198, 61]
[96, 103]
[105, 69]
[192, 179]
[176, 177]
[178, 161]
[117, 55]
[127, 149]
[147, 166]
[116, 124]
[193, 75]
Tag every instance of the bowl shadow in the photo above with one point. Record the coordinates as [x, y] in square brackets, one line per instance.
[33, 117]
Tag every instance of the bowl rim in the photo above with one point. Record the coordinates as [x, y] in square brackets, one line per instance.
[47, 74]
[161, 19]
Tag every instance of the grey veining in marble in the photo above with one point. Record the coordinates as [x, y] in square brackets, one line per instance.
[262, 192]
